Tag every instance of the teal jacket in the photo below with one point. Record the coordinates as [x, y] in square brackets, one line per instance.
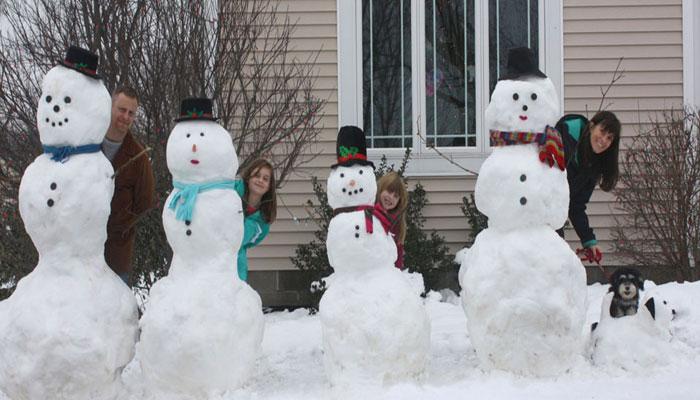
[254, 231]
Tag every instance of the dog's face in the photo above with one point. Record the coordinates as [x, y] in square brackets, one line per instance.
[626, 283]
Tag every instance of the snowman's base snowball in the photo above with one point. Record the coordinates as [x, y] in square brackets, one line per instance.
[66, 336]
[375, 328]
[524, 294]
[200, 334]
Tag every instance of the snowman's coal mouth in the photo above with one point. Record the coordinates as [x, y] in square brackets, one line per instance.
[59, 122]
[352, 191]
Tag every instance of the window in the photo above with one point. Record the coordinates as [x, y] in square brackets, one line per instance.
[418, 73]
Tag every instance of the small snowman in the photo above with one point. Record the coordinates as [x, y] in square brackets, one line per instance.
[637, 342]
[71, 324]
[202, 330]
[375, 327]
[523, 288]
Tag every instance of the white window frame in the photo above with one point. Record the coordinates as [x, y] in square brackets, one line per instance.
[425, 161]
[691, 53]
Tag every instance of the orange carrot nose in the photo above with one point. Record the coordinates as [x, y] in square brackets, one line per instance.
[352, 182]
[194, 148]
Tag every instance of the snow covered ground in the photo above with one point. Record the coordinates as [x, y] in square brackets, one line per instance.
[291, 366]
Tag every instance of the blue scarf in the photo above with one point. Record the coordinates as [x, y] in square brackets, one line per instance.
[61, 154]
[186, 196]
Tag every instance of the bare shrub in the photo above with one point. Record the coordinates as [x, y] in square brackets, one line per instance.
[659, 192]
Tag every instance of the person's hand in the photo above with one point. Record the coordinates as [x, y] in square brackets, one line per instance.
[590, 254]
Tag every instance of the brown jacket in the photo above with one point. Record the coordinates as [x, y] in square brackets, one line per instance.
[134, 194]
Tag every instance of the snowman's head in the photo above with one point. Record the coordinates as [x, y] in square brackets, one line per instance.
[73, 110]
[351, 186]
[516, 190]
[523, 105]
[201, 151]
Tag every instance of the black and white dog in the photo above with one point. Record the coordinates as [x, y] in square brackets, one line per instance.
[626, 284]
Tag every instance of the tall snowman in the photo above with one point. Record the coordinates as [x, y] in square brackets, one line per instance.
[202, 330]
[375, 327]
[523, 289]
[70, 326]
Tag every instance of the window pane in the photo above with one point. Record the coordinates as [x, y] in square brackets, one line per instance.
[512, 23]
[386, 72]
[450, 84]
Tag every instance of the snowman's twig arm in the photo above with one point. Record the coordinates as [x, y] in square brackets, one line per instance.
[441, 154]
[120, 169]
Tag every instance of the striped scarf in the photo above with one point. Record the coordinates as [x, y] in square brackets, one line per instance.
[549, 143]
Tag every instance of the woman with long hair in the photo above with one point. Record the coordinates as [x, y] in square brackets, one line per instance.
[591, 149]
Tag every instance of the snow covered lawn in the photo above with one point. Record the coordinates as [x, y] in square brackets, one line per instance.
[291, 366]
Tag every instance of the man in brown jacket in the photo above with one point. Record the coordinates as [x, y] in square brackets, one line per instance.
[134, 185]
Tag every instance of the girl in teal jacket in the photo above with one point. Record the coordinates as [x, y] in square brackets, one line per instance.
[257, 190]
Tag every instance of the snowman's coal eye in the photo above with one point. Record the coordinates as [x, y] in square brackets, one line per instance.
[188, 135]
[360, 172]
[48, 99]
[201, 134]
[515, 96]
[342, 175]
[533, 96]
[66, 99]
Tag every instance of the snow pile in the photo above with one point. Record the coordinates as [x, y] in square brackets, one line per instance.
[291, 364]
[635, 342]
[365, 338]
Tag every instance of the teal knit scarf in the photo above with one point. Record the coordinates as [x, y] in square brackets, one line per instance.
[186, 196]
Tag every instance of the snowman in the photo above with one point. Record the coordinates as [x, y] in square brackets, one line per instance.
[375, 327]
[202, 330]
[523, 289]
[637, 342]
[71, 324]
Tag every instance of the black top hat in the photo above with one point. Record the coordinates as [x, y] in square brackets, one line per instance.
[82, 61]
[196, 109]
[351, 147]
[522, 63]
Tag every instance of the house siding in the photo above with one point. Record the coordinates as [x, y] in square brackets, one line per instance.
[648, 34]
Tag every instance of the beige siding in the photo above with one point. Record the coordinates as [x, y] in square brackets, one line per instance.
[647, 33]
[315, 31]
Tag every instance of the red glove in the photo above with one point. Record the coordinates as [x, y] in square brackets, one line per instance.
[591, 255]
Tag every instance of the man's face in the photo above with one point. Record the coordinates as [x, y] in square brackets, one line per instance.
[123, 113]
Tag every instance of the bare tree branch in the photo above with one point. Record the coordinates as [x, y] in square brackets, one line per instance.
[235, 52]
[443, 155]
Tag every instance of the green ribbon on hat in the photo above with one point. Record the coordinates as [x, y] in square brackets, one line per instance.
[345, 151]
[194, 113]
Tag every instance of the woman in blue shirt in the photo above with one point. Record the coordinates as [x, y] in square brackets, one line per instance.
[257, 190]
